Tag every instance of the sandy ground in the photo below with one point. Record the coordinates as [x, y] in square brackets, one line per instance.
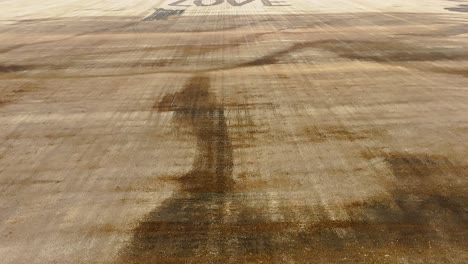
[233, 131]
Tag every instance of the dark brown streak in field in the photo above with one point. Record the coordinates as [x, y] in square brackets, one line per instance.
[340, 133]
[14, 68]
[417, 200]
[181, 227]
[380, 52]
[13, 95]
[452, 71]
[369, 51]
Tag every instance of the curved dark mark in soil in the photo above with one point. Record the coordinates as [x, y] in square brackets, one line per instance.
[459, 8]
[448, 31]
[380, 52]
[14, 68]
[369, 51]
[325, 133]
[13, 95]
[452, 71]
[418, 199]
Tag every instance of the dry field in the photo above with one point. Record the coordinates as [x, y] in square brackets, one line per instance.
[234, 131]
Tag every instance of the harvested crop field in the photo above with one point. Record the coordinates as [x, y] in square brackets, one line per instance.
[234, 131]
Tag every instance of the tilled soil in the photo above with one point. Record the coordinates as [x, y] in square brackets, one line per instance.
[232, 131]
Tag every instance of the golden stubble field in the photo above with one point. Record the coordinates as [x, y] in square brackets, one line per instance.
[234, 131]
